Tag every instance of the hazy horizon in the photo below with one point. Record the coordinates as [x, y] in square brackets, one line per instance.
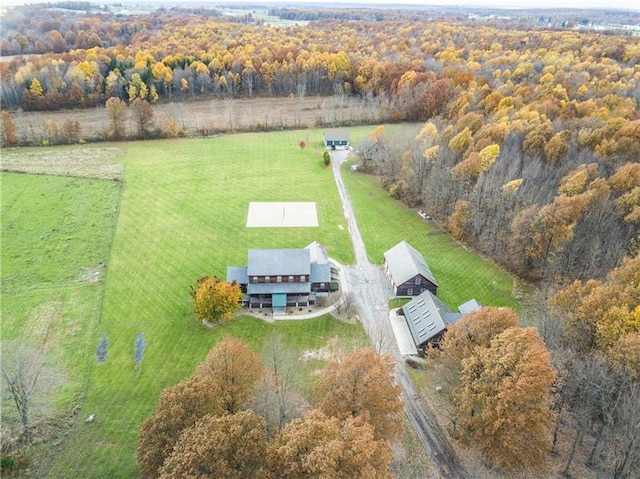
[631, 5]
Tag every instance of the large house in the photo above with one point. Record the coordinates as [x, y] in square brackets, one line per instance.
[336, 138]
[428, 318]
[278, 278]
[407, 271]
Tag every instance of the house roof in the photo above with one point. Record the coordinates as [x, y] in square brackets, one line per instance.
[278, 262]
[320, 273]
[405, 262]
[336, 135]
[426, 317]
[237, 274]
[469, 307]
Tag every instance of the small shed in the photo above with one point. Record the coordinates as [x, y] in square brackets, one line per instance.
[336, 139]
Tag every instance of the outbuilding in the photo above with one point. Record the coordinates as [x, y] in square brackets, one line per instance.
[336, 139]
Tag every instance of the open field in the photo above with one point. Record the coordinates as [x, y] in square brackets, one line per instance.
[56, 232]
[182, 215]
[212, 116]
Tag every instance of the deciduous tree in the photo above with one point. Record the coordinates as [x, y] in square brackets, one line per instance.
[361, 386]
[503, 401]
[142, 116]
[179, 408]
[231, 446]
[215, 300]
[9, 137]
[320, 446]
[117, 116]
[233, 370]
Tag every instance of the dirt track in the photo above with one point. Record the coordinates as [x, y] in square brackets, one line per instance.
[371, 293]
[214, 115]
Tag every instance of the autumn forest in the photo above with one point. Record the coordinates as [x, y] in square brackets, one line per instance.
[520, 137]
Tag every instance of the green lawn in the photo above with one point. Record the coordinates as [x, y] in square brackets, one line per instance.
[55, 232]
[182, 216]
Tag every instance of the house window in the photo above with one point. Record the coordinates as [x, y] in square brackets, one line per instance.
[291, 279]
[254, 279]
[303, 278]
[410, 292]
[418, 279]
[267, 279]
[322, 285]
[279, 279]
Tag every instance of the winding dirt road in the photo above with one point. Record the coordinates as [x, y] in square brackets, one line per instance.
[371, 293]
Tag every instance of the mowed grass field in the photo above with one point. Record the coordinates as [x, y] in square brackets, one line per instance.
[181, 215]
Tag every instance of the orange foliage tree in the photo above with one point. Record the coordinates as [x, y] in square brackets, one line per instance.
[320, 446]
[503, 401]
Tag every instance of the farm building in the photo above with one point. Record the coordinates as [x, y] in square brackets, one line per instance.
[427, 318]
[408, 271]
[336, 139]
[278, 278]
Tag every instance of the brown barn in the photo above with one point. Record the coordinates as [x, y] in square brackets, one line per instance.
[407, 271]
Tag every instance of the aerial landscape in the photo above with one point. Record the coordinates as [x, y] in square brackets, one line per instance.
[320, 240]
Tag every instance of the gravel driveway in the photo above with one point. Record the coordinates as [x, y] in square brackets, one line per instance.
[371, 293]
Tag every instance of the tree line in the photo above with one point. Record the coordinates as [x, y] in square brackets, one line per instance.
[172, 54]
[239, 416]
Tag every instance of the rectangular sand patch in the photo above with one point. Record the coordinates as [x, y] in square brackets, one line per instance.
[282, 214]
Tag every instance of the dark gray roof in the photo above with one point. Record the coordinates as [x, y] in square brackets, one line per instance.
[320, 273]
[426, 317]
[237, 274]
[405, 262]
[271, 288]
[469, 307]
[336, 135]
[278, 262]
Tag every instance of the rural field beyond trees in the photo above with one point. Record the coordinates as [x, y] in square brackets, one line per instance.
[179, 213]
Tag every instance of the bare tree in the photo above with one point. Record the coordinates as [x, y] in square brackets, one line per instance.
[276, 396]
[28, 380]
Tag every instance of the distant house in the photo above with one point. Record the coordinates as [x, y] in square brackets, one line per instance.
[277, 278]
[336, 139]
[407, 271]
[427, 318]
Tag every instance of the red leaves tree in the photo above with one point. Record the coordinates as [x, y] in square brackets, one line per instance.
[232, 446]
[233, 370]
[179, 407]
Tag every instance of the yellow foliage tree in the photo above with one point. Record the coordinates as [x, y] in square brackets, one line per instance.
[215, 300]
[458, 219]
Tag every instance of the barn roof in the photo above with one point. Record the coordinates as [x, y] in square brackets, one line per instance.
[336, 135]
[405, 262]
[427, 317]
